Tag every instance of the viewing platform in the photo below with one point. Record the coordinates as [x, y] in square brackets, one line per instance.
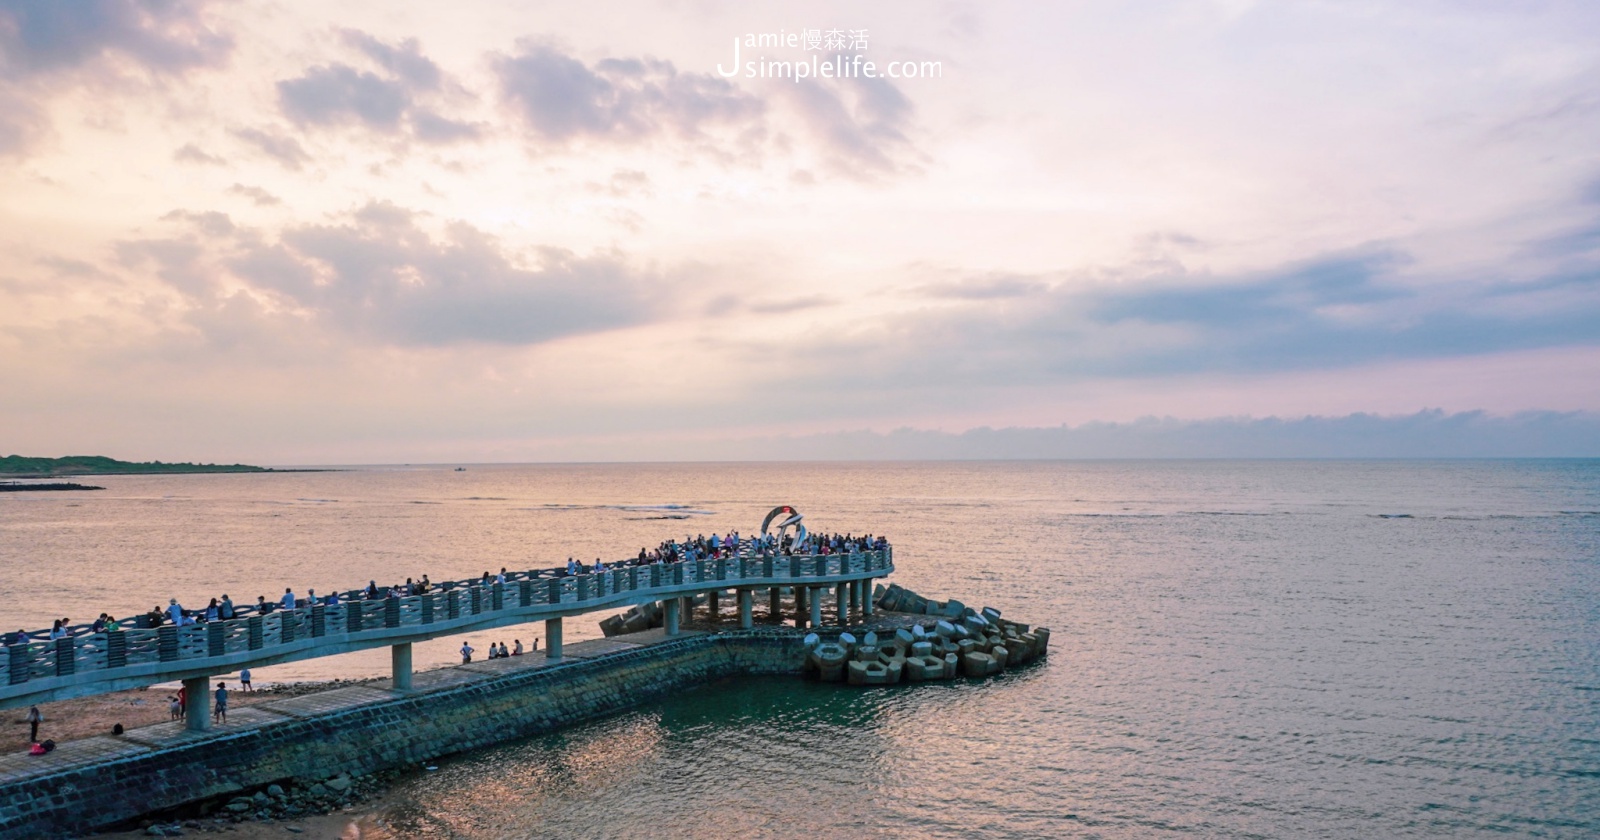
[93, 663]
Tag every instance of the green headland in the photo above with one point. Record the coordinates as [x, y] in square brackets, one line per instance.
[21, 466]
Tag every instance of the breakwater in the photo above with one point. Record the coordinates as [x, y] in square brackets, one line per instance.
[352, 732]
[103, 781]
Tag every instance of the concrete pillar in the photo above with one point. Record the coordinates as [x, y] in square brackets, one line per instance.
[712, 605]
[671, 606]
[552, 639]
[746, 607]
[400, 666]
[866, 598]
[800, 609]
[775, 602]
[815, 597]
[688, 607]
[841, 601]
[197, 703]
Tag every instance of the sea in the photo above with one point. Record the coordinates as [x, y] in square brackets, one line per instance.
[1240, 649]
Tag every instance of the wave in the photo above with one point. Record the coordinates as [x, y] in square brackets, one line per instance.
[682, 511]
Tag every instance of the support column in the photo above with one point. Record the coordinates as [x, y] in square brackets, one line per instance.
[815, 597]
[775, 602]
[197, 703]
[712, 605]
[841, 601]
[552, 639]
[688, 608]
[855, 596]
[400, 666]
[746, 607]
[866, 598]
[800, 609]
[671, 606]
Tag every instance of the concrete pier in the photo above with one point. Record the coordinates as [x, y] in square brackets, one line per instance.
[746, 609]
[400, 666]
[671, 607]
[552, 638]
[197, 703]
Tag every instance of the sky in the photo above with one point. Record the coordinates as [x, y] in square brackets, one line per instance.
[289, 233]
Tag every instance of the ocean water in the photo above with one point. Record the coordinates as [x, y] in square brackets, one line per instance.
[1239, 649]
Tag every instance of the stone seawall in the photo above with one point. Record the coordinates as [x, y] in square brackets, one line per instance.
[364, 730]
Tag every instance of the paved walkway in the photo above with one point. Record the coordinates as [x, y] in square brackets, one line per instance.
[101, 749]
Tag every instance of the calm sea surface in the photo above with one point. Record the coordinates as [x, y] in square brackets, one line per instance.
[1240, 649]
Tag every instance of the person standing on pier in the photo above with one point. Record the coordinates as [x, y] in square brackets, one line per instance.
[226, 607]
[220, 713]
[175, 611]
[288, 598]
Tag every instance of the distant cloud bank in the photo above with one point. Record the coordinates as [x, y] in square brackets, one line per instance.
[1426, 434]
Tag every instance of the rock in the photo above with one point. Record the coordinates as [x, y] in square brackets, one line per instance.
[238, 807]
[261, 800]
[318, 791]
[275, 791]
[294, 829]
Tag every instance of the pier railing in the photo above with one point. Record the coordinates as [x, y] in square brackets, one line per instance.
[91, 663]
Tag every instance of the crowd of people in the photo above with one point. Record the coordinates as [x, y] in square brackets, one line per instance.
[700, 547]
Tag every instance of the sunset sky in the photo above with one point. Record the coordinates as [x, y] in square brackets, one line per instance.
[293, 232]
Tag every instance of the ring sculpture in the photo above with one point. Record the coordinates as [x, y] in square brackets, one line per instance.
[788, 517]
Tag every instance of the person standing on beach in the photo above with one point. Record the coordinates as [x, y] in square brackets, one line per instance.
[183, 700]
[220, 713]
[34, 719]
[466, 652]
[244, 679]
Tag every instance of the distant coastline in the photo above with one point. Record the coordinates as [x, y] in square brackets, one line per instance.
[21, 466]
[19, 487]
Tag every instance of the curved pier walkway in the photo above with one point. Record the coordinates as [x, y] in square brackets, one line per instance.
[95, 663]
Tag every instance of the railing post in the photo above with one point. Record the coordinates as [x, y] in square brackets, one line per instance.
[427, 606]
[499, 596]
[216, 638]
[319, 620]
[65, 664]
[116, 649]
[17, 663]
[167, 643]
[258, 631]
[453, 603]
[527, 591]
[391, 610]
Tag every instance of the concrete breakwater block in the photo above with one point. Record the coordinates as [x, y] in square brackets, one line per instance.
[611, 626]
[866, 653]
[977, 664]
[952, 666]
[904, 636]
[944, 629]
[873, 673]
[921, 648]
[990, 613]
